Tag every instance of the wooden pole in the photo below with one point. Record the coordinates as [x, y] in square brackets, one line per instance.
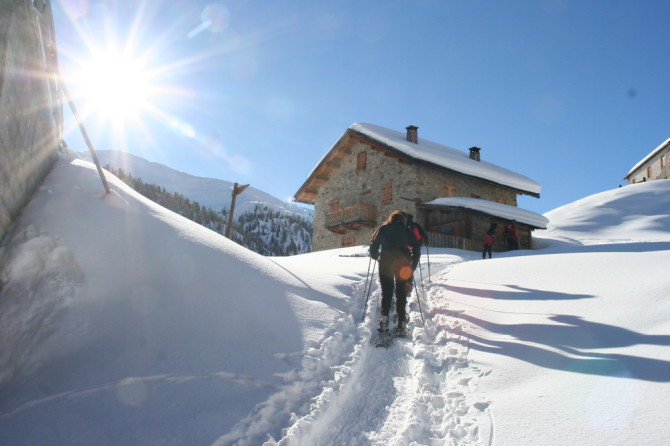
[85, 135]
[236, 191]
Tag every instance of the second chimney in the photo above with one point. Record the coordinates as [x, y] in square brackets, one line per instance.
[474, 153]
[413, 134]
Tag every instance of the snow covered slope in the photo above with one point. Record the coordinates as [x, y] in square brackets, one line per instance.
[636, 212]
[123, 323]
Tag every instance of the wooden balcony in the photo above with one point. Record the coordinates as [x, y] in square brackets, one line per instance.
[352, 217]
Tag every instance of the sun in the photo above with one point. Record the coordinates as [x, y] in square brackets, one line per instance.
[125, 81]
[116, 87]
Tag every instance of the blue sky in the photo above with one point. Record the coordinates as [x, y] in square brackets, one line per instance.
[569, 93]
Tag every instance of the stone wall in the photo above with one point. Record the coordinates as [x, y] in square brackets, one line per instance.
[409, 181]
[30, 102]
[659, 165]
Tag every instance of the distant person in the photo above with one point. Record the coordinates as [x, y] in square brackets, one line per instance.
[489, 240]
[393, 245]
[511, 235]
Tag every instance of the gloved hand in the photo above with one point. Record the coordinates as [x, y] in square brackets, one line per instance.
[374, 254]
[415, 261]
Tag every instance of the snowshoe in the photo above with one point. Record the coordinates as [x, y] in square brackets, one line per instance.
[383, 339]
[401, 330]
[383, 324]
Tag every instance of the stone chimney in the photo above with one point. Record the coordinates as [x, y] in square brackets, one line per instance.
[474, 153]
[413, 134]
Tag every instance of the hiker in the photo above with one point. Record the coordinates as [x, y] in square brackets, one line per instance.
[511, 235]
[489, 240]
[393, 245]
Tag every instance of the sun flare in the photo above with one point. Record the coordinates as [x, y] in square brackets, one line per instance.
[116, 87]
[126, 81]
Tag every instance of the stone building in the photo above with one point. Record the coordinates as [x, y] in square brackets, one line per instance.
[655, 166]
[371, 170]
[30, 102]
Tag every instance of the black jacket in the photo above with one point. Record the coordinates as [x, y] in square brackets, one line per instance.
[393, 237]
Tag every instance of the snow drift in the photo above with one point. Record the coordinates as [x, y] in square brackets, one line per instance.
[114, 297]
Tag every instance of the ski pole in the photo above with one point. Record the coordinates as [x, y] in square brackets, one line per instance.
[428, 256]
[422, 287]
[372, 275]
[367, 276]
[368, 285]
[418, 299]
[424, 295]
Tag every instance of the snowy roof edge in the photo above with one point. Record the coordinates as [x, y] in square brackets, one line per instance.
[493, 208]
[647, 158]
[448, 157]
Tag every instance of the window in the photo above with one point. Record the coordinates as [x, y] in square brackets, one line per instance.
[449, 190]
[649, 172]
[387, 193]
[334, 205]
[361, 162]
[663, 161]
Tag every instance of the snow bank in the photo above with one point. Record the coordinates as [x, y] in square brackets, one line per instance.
[115, 297]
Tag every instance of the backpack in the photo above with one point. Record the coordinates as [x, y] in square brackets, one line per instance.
[418, 235]
[391, 236]
[489, 239]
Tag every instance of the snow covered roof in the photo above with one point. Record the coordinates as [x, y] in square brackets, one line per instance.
[493, 208]
[648, 157]
[447, 157]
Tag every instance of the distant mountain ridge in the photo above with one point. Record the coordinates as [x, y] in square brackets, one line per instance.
[210, 192]
[263, 223]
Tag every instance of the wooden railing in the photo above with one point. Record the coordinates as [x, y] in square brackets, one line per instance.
[439, 240]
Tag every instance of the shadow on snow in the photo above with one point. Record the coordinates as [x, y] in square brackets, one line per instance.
[577, 337]
[516, 293]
